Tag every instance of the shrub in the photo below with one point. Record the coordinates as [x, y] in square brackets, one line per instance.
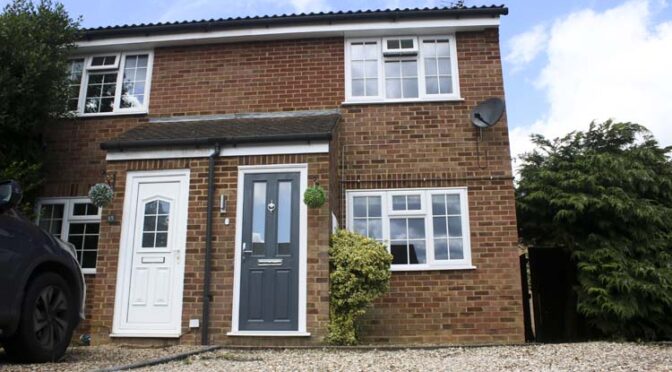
[360, 272]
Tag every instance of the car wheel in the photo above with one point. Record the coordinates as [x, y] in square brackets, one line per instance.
[48, 318]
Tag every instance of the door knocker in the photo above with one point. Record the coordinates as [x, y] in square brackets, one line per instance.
[271, 206]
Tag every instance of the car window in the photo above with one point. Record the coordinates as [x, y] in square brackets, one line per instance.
[5, 192]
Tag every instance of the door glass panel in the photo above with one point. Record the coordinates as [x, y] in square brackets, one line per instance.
[155, 224]
[284, 216]
[258, 218]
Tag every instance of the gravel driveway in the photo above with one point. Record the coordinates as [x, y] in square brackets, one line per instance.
[94, 357]
[594, 356]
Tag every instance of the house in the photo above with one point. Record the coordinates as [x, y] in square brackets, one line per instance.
[210, 131]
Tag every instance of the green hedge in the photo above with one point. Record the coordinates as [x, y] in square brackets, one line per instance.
[360, 272]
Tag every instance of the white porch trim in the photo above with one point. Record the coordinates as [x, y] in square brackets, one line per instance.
[313, 147]
[302, 169]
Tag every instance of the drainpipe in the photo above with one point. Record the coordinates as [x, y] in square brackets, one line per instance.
[205, 330]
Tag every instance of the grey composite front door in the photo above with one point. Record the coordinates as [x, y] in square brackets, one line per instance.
[270, 253]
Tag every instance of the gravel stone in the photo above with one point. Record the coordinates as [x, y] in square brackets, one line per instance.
[591, 356]
[87, 358]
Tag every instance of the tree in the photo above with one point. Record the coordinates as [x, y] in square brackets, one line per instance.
[605, 195]
[35, 42]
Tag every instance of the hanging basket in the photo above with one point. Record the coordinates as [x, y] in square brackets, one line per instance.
[314, 197]
[101, 195]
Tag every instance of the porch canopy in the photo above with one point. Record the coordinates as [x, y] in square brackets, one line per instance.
[227, 130]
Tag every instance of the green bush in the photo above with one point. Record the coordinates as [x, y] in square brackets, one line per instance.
[360, 272]
[314, 197]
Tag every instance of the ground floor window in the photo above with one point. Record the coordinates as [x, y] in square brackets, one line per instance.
[424, 229]
[74, 220]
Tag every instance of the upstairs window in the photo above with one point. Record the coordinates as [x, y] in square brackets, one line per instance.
[110, 84]
[401, 69]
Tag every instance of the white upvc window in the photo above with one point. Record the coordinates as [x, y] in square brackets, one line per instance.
[74, 220]
[401, 69]
[423, 229]
[110, 83]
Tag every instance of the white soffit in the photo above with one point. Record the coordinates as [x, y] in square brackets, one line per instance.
[350, 29]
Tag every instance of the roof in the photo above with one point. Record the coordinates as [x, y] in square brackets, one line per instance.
[145, 29]
[231, 129]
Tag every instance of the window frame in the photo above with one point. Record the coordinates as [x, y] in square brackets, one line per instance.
[69, 217]
[426, 213]
[422, 90]
[119, 69]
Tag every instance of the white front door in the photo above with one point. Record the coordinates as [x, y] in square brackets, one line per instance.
[151, 258]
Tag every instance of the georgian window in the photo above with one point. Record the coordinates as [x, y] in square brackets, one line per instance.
[400, 69]
[74, 220]
[110, 84]
[424, 229]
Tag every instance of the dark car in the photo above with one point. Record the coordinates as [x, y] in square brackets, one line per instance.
[41, 286]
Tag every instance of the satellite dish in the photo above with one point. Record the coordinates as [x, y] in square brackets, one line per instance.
[487, 113]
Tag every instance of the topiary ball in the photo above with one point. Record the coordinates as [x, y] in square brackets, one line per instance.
[314, 197]
[101, 194]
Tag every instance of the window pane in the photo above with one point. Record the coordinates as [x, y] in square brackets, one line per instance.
[432, 85]
[456, 250]
[149, 223]
[371, 69]
[162, 223]
[409, 69]
[393, 69]
[150, 208]
[444, 66]
[259, 212]
[410, 89]
[438, 205]
[454, 226]
[440, 249]
[429, 48]
[393, 44]
[357, 69]
[376, 229]
[358, 87]
[414, 202]
[89, 259]
[357, 51]
[103, 61]
[164, 207]
[161, 240]
[417, 252]
[100, 92]
[393, 88]
[399, 252]
[453, 203]
[147, 240]
[359, 206]
[375, 209]
[416, 228]
[76, 228]
[284, 211]
[371, 50]
[84, 209]
[398, 228]
[443, 48]
[134, 77]
[407, 43]
[399, 203]
[446, 85]
[372, 87]
[430, 67]
[360, 227]
[440, 227]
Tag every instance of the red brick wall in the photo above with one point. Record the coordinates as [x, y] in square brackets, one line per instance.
[384, 146]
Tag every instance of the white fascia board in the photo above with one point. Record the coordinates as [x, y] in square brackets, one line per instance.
[313, 147]
[351, 29]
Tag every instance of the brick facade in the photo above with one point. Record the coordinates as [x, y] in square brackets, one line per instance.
[375, 146]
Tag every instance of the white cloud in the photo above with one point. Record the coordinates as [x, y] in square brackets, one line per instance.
[305, 6]
[613, 64]
[525, 47]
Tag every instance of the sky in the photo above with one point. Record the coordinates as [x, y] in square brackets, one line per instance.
[566, 63]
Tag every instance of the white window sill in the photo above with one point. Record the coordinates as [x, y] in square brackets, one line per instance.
[379, 101]
[105, 114]
[148, 335]
[430, 267]
[89, 271]
[269, 333]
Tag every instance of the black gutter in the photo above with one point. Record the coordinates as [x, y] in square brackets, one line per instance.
[123, 145]
[211, 25]
[205, 327]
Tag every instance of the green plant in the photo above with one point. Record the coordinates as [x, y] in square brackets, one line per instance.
[314, 197]
[360, 272]
[605, 195]
[101, 194]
